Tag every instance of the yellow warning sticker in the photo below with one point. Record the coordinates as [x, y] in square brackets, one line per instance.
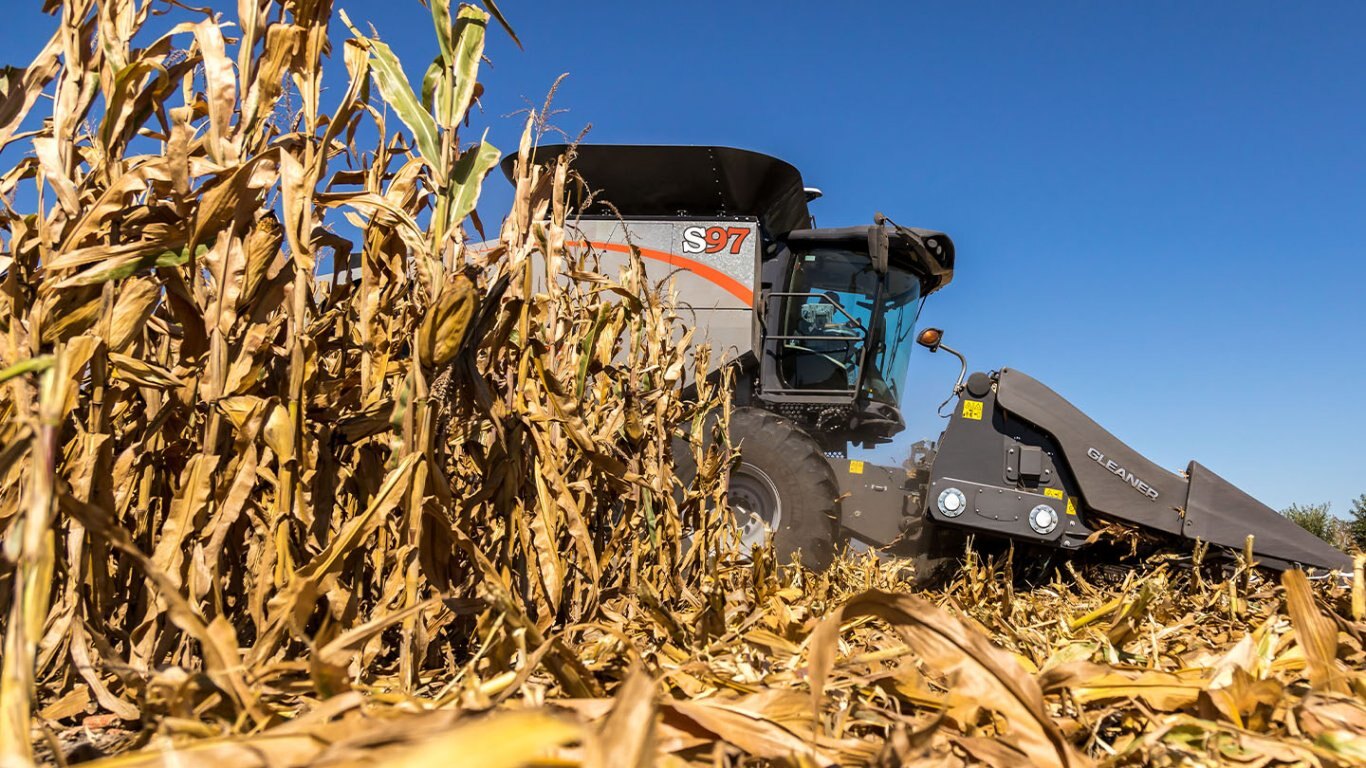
[972, 409]
[1071, 506]
[855, 467]
[1053, 492]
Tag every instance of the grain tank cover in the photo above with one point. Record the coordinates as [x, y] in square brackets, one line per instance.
[668, 181]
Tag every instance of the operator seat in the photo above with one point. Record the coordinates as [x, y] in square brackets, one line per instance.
[813, 370]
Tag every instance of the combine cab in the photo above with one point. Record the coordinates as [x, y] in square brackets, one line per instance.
[819, 325]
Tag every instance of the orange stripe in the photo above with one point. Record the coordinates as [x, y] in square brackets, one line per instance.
[726, 282]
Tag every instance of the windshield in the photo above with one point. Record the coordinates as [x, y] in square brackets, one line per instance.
[900, 308]
[832, 333]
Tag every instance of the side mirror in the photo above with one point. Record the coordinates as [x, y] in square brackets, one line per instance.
[933, 340]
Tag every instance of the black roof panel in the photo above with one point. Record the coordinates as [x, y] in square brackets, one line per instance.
[645, 180]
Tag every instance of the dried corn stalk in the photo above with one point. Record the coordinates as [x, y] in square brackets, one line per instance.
[228, 486]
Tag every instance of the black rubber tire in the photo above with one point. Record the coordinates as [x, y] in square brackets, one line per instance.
[806, 485]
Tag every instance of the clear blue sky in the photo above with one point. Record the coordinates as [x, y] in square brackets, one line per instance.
[1159, 207]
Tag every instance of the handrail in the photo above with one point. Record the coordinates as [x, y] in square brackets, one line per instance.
[862, 337]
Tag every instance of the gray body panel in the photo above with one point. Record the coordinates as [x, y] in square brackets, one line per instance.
[1005, 511]
[1106, 492]
[1220, 513]
[1004, 467]
[875, 500]
[716, 291]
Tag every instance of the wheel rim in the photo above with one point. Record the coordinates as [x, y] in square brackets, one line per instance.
[756, 503]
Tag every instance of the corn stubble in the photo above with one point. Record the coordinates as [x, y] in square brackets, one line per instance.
[429, 513]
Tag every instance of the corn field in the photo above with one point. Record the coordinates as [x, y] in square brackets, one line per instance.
[290, 474]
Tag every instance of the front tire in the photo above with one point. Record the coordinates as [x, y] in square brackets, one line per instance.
[782, 482]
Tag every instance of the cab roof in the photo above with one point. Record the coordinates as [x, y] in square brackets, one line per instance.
[927, 253]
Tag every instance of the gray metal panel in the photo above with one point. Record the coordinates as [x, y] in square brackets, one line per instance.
[1005, 511]
[1114, 479]
[1220, 513]
[874, 500]
[980, 455]
[986, 447]
[715, 290]
[724, 278]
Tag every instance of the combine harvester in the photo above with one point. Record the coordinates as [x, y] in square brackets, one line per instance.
[818, 326]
